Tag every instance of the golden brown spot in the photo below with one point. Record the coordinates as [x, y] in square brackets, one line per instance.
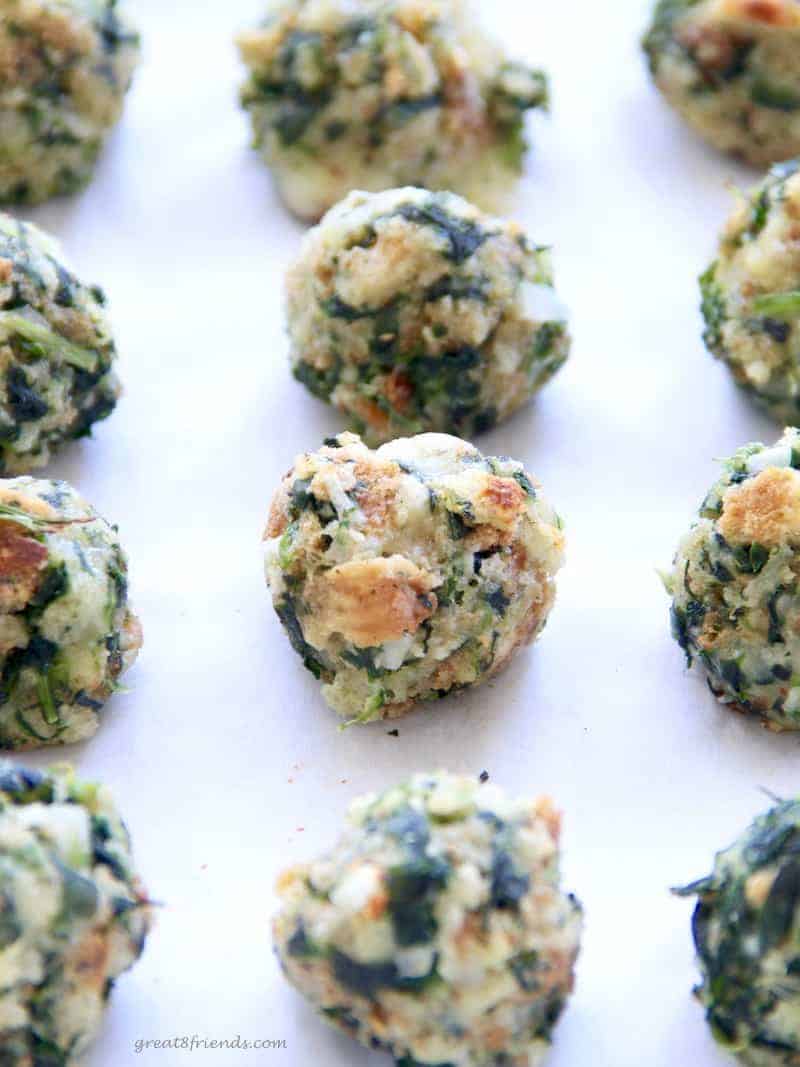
[448, 673]
[6, 270]
[289, 878]
[519, 558]
[60, 32]
[89, 961]
[791, 201]
[376, 489]
[23, 58]
[415, 17]
[766, 12]
[372, 601]
[713, 48]
[496, 1038]
[371, 413]
[709, 635]
[463, 117]
[376, 905]
[395, 248]
[770, 11]
[279, 507]
[258, 47]
[485, 538]
[505, 497]
[278, 517]
[550, 815]
[498, 505]
[22, 559]
[325, 273]
[378, 1019]
[395, 82]
[749, 290]
[132, 636]
[558, 971]
[131, 641]
[30, 503]
[20, 553]
[472, 932]
[758, 885]
[530, 627]
[764, 509]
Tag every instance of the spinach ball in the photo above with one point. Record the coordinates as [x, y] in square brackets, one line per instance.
[411, 571]
[73, 913]
[67, 631]
[746, 929]
[65, 66]
[731, 69]
[436, 929]
[56, 350]
[751, 294]
[372, 94]
[412, 311]
[735, 585]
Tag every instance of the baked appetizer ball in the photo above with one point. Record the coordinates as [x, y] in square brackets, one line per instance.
[56, 350]
[746, 930]
[373, 94]
[73, 914]
[65, 66]
[731, 69]
[411, 311]
[407, 572]
[67, 631]
[736, 584]
[751, 294]
[436, 929]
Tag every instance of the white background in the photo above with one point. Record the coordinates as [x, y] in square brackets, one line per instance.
[225, 761]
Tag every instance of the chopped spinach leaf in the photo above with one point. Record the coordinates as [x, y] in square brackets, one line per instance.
[364, 659]
[336, 308]
[464, 236]
[498, 600]
[508, 885]
[525, 969]
[413, 888]
[780, 908]
[778, 305]
[286, 611]
[713, 307]
[26, 405]
[299, 946]
[363, 979]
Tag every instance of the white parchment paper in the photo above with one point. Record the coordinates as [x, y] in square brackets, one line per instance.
[225, 760]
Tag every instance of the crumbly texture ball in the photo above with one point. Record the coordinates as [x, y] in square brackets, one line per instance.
[382, 93]
[736, 584]
[731, 69]
[73, 914]
[67, 631]
[436, 929]
[65, 66]
[405, 573]
[411, 311]
[746, 929]
[56, 350]
[751, 294]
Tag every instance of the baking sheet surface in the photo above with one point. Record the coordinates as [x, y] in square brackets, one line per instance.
[223, 756]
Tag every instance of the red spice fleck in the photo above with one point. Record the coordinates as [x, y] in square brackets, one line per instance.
[399, 390]
[763, 10]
